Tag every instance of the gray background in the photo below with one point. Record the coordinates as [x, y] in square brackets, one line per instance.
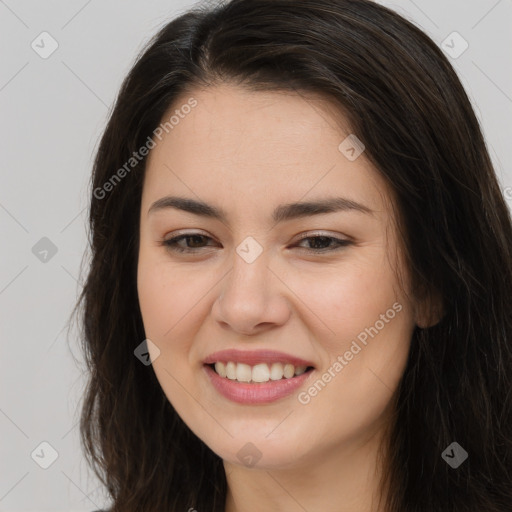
[52, 113]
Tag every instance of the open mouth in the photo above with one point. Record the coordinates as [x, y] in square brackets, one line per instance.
[259, 373]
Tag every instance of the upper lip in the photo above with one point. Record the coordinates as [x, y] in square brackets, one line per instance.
[253, 357]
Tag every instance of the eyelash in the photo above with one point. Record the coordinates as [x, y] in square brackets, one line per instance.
[171, 243]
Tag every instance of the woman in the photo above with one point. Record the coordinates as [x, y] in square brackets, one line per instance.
[299, 295]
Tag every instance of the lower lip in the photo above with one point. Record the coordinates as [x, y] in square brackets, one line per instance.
[257, 393]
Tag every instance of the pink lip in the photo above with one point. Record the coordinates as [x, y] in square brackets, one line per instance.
[253, 357]
[256, 393]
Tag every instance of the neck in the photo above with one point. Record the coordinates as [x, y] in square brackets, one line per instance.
[337, 479]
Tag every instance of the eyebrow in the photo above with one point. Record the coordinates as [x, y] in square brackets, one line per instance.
[282, 213]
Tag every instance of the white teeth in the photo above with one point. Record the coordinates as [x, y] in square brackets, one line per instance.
[289, 371]
[231, 370]
[299, 370]
[220, 368]
[243, 372]
[259, 373]
[276, 371]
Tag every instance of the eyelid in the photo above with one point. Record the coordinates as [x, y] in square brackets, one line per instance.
[327, 234]
[171, 243]
[306, 234]
[188, 232]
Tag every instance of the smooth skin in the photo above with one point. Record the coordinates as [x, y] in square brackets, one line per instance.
[247, 153]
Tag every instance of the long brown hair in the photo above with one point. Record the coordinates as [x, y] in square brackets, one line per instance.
[405, 102]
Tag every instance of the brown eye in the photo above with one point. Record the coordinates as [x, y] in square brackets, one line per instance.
[193, 242]
[324, 243]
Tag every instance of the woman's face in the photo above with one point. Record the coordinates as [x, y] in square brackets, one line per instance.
[244, 289]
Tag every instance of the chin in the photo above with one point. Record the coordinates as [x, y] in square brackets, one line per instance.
[260, 455]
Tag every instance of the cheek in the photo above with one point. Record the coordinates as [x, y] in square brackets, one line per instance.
[170, 306]
[348, 298]
[154, 295]
[172, 302]
[373, 350]
[362, 316]
[165, 295]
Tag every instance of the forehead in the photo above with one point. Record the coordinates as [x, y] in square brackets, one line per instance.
[270, 146]
[227, 115]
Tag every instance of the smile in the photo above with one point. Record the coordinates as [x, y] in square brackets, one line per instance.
[262, 372]
[256, 377]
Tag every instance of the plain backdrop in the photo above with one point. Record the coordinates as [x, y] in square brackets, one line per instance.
[53, 110]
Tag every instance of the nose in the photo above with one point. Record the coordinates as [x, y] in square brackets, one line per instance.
[251, 297]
